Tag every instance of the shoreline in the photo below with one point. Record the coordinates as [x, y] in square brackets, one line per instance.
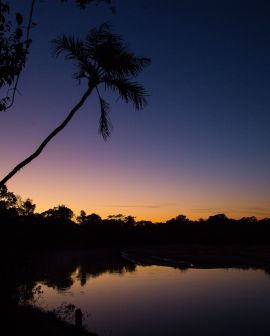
[31, 320]
[201, 256]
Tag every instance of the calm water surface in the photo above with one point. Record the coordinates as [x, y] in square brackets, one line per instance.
[158, 300]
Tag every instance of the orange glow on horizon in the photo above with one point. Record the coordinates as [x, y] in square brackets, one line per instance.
[156, 217]
[146, 201]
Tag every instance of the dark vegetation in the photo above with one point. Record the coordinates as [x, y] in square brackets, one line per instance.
[58, 228]
[33, 321]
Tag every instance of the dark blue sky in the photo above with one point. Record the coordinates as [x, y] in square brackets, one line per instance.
[200, 147]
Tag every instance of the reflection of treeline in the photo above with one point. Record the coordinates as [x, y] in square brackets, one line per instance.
[60, 269]
[58, 227]
[22, 272]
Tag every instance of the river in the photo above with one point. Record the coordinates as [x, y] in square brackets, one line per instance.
[126, 299]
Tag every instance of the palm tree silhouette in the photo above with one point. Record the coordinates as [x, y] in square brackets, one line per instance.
[103, 59]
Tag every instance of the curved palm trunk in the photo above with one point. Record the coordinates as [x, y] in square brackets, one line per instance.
[48, 139]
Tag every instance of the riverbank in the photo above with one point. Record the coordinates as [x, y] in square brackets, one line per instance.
[29, 320]
[201, 256]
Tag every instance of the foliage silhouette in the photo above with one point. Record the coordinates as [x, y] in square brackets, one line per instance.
[25, 208]
[14, 46]
[7, 198]
[55, 228]
[61, 212]
[103, 60]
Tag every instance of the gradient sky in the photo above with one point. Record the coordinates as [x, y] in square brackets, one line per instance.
[201, 147]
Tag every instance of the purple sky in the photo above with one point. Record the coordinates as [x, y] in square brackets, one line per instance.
[201, 146]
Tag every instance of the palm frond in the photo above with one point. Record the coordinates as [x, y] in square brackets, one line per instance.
[99, 35]
[118, 62]
[72, 48]
[128, 91]
[104, 121]
[111, 53]
[126, 64]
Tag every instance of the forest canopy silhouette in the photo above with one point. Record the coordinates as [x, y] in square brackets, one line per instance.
[58, 227]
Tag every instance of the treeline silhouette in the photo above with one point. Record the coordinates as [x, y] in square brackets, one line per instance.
[58, 228]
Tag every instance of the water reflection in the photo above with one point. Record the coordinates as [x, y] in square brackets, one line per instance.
[120, 298]
[61, 270]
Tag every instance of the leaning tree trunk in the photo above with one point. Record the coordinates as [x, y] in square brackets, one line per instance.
[48, 139]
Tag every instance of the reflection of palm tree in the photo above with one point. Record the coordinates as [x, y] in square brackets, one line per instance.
[103, 60]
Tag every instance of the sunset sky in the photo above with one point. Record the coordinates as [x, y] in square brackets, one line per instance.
[201, 146]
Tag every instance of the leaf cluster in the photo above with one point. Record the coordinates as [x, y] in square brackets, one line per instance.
[13, 49]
